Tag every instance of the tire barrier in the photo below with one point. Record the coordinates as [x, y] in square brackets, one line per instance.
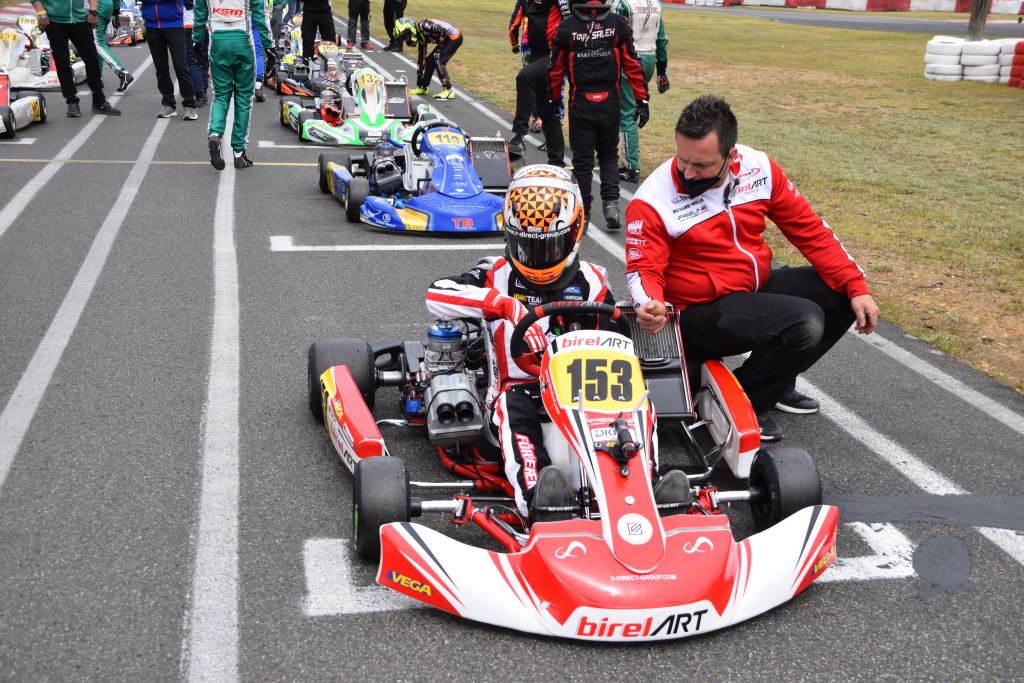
[949, 58]
[942, 59]
[1011, 62]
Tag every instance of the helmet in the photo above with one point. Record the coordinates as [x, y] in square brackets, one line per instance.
[331, 73]
[544, 222]
[330, 112]
[406, 29]
[590, 10]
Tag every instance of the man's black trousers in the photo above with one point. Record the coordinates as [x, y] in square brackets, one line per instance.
[81, 36]
[594, 126]
[787, 326]
[393, 9]
[164, 41]
[532, 88]
[311, 21]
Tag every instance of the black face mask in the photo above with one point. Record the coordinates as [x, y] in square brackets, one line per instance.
[698, 186]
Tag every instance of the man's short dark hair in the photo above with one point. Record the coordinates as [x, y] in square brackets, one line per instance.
[709, 113]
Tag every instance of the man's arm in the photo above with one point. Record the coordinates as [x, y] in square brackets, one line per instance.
[648, 246]
[559, 59]
[630, 62]
[470, 296]
[202, 11]
[259, 20]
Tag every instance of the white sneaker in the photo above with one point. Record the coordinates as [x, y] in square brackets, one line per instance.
[166, 112]
[189, 114]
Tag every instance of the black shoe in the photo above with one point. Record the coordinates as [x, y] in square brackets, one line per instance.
[74, 110]
[795, 402]
[215, 157]
[105, 108]
[672, 493]
[611, 215]
[242, 161]
[124, 80]
[629, 175]
[517, 146]
[553, 500]
[769, 430]
[393, 47]
[259, 94]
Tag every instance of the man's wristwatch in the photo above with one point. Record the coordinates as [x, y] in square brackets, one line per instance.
[93, 13]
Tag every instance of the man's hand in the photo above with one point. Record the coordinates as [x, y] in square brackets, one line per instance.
[643, 113]
[201, 61]
[556, 108]
[92, 18]
[44, 22]
[663, 84]
[273, 57]
[516, 48]
[866, 310]
[652, 316]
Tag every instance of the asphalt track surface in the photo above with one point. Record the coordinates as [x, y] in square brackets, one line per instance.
[169, 509]
[994, 28]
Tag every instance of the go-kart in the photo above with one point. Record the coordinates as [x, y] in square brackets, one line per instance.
[18, 110]
[330, 67]
[131, 28]
[624, 567]
[27, 61]
[437, 180]
[370, 109]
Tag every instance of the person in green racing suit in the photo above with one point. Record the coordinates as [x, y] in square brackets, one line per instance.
[232, 67]
[106, 11]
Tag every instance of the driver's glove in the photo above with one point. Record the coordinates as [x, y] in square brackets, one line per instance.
[663, 84]
[643, 113]
[200, 52]
[536, 339]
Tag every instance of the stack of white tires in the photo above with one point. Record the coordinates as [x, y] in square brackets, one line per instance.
[942, 59]
[1007, 50]
[980, 59]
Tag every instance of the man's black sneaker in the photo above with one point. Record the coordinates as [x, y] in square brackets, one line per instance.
[215, 157]
[124, 80]
[393, 47]
[105, 108]
[552, 500]
[74, 110]
[629, 175]
[611, 215]
[517, 146]
[242, 161]
[795, 402]
[672, 493]
[769, 430]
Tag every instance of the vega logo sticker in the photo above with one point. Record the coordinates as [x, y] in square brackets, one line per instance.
[411, 584]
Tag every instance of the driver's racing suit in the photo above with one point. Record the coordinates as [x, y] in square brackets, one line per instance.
[501, 296]
[448, 40]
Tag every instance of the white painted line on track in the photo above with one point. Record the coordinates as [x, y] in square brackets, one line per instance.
[212, 638]
[329, 587]
[893, 558]
[264, 144]
[285, 243]
[30, 189]
[18, 141]
[23, 403]
[907, 464]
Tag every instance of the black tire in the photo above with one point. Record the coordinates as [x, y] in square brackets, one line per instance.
[303, 117]
[356, 192]
[340, 158]
[352, 353]
[380, 495]
[284, 111]
[788, 481]
[7, 116]
[42, 108]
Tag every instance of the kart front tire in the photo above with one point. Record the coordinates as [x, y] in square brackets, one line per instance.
[7, 116]
[340, 158]
[355, 354]
[303, 117]
[285, 101]
[788, 480]
[356, 192]
[380, 495]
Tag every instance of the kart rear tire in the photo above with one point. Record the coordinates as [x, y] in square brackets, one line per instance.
[380, 495]
[284, 109]
[355, 354]
[356, 192]
[7, 116]
[303, 117]
[340, 158]
[788, 480]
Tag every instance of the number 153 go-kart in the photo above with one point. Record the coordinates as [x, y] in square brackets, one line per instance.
[621, 565]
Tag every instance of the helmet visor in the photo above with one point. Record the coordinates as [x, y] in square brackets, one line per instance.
[541, 256]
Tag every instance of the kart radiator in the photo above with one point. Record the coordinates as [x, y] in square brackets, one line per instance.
[661, 358]
[490, 159]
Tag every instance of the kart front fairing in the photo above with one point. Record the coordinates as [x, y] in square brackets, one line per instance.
[435, 212]
[350, 133]
[453, 173]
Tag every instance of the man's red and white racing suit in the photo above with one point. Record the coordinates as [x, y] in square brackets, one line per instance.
[689, 250]
[502, 296]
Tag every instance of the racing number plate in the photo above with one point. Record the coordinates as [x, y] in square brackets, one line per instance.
[446, 137]
[608, 381]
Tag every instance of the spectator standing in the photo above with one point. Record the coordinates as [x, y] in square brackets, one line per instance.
[393, 10]
[359, 11]
[107, 11]
[165, 35]
[316, 15]
[200, 80]
[74, 21]
[276, 21]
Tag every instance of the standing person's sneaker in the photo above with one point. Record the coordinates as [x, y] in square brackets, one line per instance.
[446, 94]
[349, 46]
[769, 430]
[241, 160]
[418, 91]
[215, 157]
[629, 175]
[259, 92]
[393, 47]
[74, 110]
[200, 100]
[517, 146]
[105, 108]
[166, 112]
[611, 214]
[189, 114]
[367, 45]
[795, 402]
[124, 80]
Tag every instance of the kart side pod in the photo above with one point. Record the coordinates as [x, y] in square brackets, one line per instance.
[730, 417]
[349, 422]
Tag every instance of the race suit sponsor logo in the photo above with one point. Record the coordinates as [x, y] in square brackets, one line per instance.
[528, 299]
[751, 185]
[529, 455]
[743, 175]
[574, 549]
[684, 212]
[635, 253]
[701, 545]
[636, 240]
[684, 622]
[600, 33]
[635, 227]
[232, 12]
[572, 289]
[411, 584]
[634, 529]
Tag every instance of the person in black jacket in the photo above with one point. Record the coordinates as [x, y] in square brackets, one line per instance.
[593, 47]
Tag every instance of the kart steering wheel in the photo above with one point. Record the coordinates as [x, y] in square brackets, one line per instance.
[527, 360]
[415, 140]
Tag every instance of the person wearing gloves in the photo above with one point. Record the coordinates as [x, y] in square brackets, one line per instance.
[107, 12]
[447, 39]
[644, 17]
[232, 67]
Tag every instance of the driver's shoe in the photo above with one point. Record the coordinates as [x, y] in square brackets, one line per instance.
[242, 160]
[446, 94]
[553, 500]
[672, 493]
[611, 215]
[418, 91]
[259, 93]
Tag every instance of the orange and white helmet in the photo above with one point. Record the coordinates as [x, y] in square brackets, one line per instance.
[544, 222]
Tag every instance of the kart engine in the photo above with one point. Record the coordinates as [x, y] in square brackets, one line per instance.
[388, 177]
[453, 410]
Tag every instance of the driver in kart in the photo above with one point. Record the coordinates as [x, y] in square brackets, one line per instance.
[330, 107]
[544, 223]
